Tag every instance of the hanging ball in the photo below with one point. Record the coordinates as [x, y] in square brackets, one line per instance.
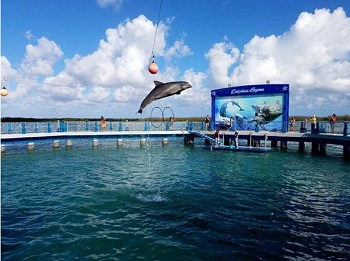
[153, 68]
[4, 92]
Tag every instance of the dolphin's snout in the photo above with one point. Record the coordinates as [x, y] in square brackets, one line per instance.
[186, 86]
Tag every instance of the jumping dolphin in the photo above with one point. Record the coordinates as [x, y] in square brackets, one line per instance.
[163, 90]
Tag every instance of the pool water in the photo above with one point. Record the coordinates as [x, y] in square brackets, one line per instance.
[173, 203]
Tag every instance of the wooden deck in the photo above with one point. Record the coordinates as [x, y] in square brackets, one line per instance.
[290, 136]
[319, 141]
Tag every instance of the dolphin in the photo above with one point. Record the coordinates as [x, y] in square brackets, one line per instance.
[241, 121]
[223, 108]
[268, 109]
[236, 103]
[162, 90]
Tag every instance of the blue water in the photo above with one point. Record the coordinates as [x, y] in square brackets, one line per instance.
[173, 203]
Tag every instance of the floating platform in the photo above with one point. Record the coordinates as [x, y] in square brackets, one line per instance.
[240, 148]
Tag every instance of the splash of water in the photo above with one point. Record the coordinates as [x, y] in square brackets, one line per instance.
[151, 198]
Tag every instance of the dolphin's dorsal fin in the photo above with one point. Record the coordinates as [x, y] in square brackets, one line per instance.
[157, 83]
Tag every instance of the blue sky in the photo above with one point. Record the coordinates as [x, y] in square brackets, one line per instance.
[87, 58]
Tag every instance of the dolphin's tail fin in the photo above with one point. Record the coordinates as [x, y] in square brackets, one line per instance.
[140, 111]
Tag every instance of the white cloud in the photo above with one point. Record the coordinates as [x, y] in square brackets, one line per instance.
[116, 71]
[98, 94]
[221, 58]
[198, 93]
[178, 50]
[6, 69]
[40, 59]
[313, 57]
[61, 88]
[29, 35]
[121, 58]
[122, 94]
[115, 4]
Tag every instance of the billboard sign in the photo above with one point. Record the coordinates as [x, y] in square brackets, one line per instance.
[249, 106]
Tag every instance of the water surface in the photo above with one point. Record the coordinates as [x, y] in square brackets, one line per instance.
[173, 203]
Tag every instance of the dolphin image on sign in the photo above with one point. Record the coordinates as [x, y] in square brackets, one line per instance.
[267, 109]
[224, 112]
[163, 90]
[268, 112]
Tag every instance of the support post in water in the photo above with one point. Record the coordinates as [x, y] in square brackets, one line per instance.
[56, 144]
[142, 142]
[30, 146]
[69, 143]
[165, 141]
[95, 143]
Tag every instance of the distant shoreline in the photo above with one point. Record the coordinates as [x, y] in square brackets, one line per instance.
[25, 119]
[194, 119]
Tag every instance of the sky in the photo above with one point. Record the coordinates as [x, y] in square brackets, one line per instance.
[87, 58]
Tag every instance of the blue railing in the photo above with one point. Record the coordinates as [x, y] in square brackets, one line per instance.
[323, 127]
[95, 126]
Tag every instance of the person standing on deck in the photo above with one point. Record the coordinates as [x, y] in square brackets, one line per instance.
[230, 123]
[256, 122]
[171, 122]
[332, 121]
[103, 123]
[313, 124]
[291, 123]
[217, 137]
[236, 139]
[313, 119]
[207, 123]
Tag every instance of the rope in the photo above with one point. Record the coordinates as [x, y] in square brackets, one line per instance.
[155, 35]
[154, 41]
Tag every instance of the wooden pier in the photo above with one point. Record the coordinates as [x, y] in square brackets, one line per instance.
[318, 142]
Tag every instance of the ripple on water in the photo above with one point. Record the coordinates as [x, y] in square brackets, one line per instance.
[170, 203]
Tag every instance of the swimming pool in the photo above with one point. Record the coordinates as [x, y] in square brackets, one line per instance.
[173, 203]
